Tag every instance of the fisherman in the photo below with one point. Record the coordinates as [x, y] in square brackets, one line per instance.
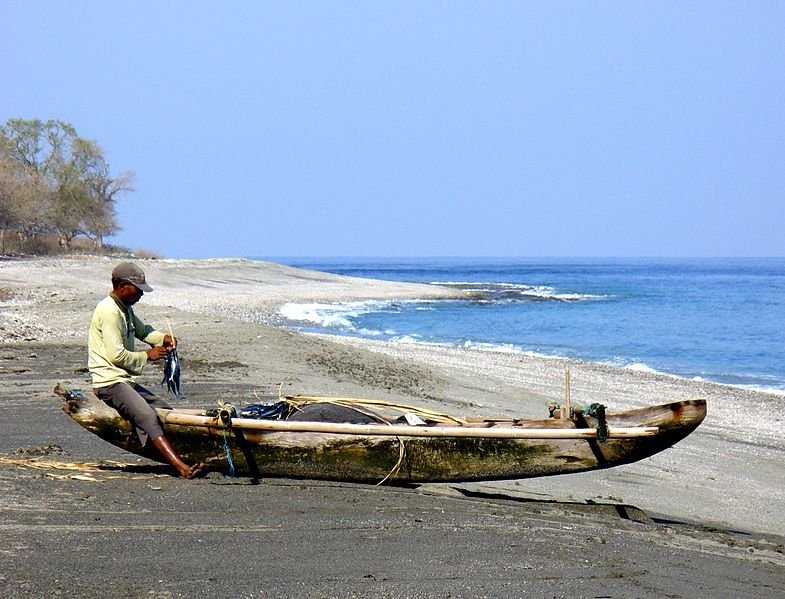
[114, 364]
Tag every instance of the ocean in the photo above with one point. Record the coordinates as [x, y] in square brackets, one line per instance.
[719, 320]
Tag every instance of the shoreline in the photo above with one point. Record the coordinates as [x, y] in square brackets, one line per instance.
[724, 474]
[496, 350]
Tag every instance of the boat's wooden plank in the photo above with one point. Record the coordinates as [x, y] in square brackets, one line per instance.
[384, 430]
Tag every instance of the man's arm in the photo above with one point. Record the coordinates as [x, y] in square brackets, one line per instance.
[147, 333]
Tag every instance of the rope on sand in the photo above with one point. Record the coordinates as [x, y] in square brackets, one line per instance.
[39, 464]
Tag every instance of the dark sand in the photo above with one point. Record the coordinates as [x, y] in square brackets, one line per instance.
[703, 519]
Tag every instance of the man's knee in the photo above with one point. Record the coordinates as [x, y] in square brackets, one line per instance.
[134, 408]
[151, 398]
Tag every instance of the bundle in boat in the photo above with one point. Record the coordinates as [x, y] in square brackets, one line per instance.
[443, 449]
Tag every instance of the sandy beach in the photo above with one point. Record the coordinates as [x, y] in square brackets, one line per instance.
[709, 517]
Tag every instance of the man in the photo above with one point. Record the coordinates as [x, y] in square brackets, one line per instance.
[114, 364]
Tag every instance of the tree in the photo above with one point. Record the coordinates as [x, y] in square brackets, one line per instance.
[10, 197]
[24, 202]
[53, 181]
[102, 190]
[37, 146]
[102, 221]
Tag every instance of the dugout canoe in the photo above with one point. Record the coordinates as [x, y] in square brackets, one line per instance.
[455, 450]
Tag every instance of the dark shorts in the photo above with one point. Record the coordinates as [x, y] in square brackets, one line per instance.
[136, 404]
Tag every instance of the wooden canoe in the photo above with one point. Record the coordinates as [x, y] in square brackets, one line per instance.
[460, 451]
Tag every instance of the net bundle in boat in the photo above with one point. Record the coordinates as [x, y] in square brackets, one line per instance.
[342, 409]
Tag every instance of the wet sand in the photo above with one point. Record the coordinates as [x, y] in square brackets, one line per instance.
[702, 518]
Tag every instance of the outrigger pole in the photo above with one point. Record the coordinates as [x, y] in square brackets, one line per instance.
[394, 430]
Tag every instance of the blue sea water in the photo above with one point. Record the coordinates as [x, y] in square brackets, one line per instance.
[720, 320]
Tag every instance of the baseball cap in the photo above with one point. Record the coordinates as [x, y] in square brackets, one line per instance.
[131, 273]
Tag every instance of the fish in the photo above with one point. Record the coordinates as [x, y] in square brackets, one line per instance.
[279, 410]
[172, 373]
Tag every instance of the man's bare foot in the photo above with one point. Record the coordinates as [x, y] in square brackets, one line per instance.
[195, 471]
[184, 470]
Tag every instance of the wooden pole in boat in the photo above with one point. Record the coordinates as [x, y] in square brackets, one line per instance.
[395, 430]
[566, 410]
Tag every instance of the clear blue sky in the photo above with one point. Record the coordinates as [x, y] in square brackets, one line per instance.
[421, 128]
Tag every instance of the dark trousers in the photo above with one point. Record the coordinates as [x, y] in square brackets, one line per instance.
[136, 404]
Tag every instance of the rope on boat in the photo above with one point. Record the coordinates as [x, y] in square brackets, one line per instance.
[228, 455]
[351, 402]
[398, 464]
[226, 411]
[225, 415]
[595, 410]
[362, 406]
[598, 411]
[67, 393]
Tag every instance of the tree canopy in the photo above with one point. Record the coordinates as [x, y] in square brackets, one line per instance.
[53, 182]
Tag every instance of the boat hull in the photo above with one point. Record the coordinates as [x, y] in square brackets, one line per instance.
[399, 459]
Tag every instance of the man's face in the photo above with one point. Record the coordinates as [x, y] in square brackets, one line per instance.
[129, 293]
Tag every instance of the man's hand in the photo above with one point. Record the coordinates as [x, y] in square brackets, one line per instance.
[156, 353]
[170, 342]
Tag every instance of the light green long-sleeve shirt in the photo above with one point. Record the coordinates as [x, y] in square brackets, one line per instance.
[110, 343]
